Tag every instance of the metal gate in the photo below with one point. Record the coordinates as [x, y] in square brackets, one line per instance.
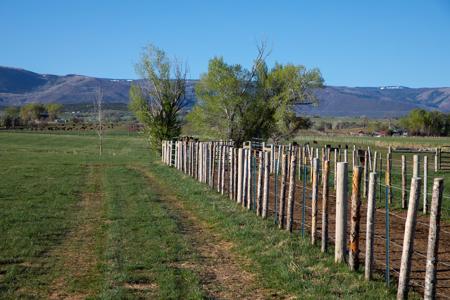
[444, 158]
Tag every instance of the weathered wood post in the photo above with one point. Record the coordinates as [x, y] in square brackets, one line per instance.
[433, 239]
[341, 212]
[354, 161]
[265, 201]
[335, 167]
[375, 161]
[291, 193]
[231, 172]
[370, 226]
[314, 200]
[259, 192]
[388, 176]
[200, 162]
[219, 168]
[224, 165]
[176, 155]
[416, 165]
[211, 164]
[282, 200]
[404, 180]
[311, 159]
[325, 196]
[353, 258]
[249, 177]
[408, 240]
[240, 175]
[366, 175]
[369, 156]
[244, 179]
[205, 159]
[185, 157]
[425, 182]
[436, 159]
[235, 178]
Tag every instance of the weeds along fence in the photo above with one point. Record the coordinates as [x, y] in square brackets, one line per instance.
[379, 209]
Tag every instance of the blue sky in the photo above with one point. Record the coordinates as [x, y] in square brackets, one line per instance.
[353, 43]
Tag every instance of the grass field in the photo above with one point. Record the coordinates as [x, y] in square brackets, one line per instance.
[124, 226]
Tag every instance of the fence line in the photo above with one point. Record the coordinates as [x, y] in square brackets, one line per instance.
[215, 163]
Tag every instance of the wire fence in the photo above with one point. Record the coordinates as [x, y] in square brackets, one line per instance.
[204, 158]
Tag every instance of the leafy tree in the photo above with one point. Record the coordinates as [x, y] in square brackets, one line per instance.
[236, 103]
[157, 103]
[11, 117]
[31, 112]
[53, 109]
[422, 122]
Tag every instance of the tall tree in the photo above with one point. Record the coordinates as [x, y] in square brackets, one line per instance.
[11, 116]
[159, 100]
[239, 104]
[53, 109]
[31, 112]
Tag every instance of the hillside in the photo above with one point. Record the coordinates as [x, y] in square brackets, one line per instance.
[18, 86]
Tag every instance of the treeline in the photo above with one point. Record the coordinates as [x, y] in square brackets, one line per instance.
[426, 123]
[29, 114]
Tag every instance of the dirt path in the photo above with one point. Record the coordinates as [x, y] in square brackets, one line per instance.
[220, 271]
[76, 256]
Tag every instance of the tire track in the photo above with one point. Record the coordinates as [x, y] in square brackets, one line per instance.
[220, 271]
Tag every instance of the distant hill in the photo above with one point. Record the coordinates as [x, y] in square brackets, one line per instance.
[18, 86]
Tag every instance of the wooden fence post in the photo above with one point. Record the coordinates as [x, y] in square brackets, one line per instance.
[272, 158]
[240, 171]
[259, 192]
[408, 240]
[341, 211]
[353, 259]
[366, 175]
[249, 177]
[235, 178]
[265, 203]
[433, 239]
[416, 166]
[244, 179]
[200, 162]
[325, 196]
[282, 202]
[335, 167]
[219, 167]
[375, 161]
[222, 175]
[425, 182]
[354, 161]
[205, 163]
[370, 225]
[404, 180]
[314, 200]
[436, 159]
[388, 175]
[291, 193]
[185, 157]
[211, 164]
[231, 172]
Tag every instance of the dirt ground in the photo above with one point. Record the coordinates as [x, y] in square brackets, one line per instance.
[220, 271]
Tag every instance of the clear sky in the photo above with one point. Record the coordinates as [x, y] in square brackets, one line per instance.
[354, 43]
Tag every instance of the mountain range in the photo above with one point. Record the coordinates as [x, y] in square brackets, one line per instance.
[18, 86]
